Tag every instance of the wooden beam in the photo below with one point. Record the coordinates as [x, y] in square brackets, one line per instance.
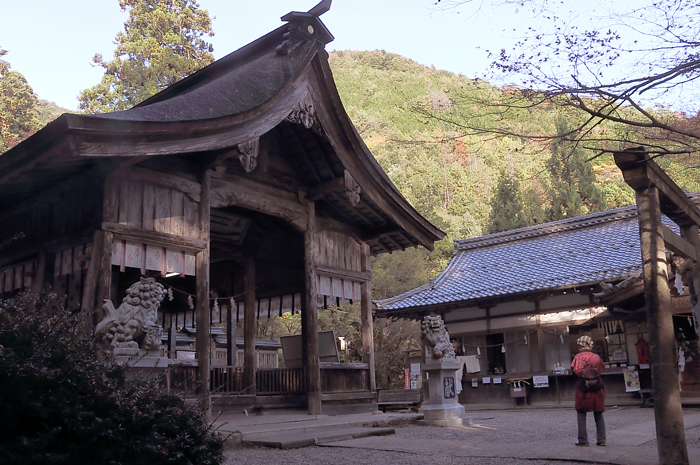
[128, 233]
[202, 342]
[320, 191]
[366, 318]
[641, 172]
[249, 324]
[670, 432]
[309, 316]
[343, 273]
[677, 244]
[232, 190]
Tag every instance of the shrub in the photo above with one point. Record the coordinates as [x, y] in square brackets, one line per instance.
[63, 399]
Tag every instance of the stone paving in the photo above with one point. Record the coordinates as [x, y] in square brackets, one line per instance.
[495, 437]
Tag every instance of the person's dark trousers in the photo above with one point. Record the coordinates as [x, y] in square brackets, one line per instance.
[599, 427]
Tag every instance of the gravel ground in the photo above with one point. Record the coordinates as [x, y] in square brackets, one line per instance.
[512, 426]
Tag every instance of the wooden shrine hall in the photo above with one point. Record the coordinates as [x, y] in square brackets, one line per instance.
[245, 180]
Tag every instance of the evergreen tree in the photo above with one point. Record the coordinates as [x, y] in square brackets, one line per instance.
[507, 209]
[572, 191]
[162, 43]
[18, 107]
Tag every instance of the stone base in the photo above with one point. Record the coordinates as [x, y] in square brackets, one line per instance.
[464, 421]
[441, 406]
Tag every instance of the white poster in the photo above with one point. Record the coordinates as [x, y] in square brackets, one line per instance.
[541, 381]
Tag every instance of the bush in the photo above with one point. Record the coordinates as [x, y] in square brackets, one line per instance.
[63, 399]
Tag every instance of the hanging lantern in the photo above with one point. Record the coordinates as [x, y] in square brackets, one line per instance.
[503, 348]
[190, 302]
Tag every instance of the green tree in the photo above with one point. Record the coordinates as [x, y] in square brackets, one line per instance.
[66, 401]
[573, 191]
[162, 43]
[507, 209]
[18, 107]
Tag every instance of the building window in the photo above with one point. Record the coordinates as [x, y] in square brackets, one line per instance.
[616, 345]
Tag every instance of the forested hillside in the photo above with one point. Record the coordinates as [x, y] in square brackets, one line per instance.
[410, 117]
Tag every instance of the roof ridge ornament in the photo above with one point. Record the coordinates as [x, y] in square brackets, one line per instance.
[305, 26]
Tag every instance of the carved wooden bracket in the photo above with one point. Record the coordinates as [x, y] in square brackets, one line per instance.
[304, 113]
[353, 189]
[249, 154]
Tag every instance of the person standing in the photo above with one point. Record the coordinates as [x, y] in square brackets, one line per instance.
[589, 399]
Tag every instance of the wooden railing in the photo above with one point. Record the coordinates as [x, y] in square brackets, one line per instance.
[226, 380]
[280, 381]
[229, 379]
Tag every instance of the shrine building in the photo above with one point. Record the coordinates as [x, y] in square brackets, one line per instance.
[244, 189]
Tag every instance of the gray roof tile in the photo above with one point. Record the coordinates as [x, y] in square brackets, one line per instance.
[563, 254]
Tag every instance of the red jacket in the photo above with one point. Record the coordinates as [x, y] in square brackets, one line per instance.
[588, 401]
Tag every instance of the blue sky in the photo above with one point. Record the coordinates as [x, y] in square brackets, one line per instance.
[52, 43]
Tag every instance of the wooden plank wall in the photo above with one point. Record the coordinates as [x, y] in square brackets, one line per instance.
[67, 217]
[338, 250]
[149, 206]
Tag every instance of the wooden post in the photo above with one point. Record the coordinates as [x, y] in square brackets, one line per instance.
[172, 338]
[39, 273]
[670, 432]
[203, 343]
[90, 287]
[691, 234]
[104, 282]
[366, 317]
[249, 365]
[309, 320]
[230, 337]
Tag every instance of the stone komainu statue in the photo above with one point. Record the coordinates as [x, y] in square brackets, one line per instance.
[436, 339]
[133, 324]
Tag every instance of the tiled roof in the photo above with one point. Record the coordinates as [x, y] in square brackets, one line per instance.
[565, 254]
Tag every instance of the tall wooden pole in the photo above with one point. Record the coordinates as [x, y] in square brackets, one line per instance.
[202, 342]
[670, 431]
[366, 318]
[309, 320]
[249, 362]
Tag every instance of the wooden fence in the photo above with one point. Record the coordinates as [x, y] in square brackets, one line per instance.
[268, 381]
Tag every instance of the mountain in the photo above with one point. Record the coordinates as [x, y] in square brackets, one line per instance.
[412, 118]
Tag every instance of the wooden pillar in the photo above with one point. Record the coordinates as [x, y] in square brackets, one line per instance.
[203, 343]
[691, 234]
[104, 282]
[309, 317]
[670, 432]
[366, 318]
[172, 337]
[249, 329]
[39, 273]
[230, 337]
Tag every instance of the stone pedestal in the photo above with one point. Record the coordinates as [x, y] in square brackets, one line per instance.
[441, 406]
[143, 363]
